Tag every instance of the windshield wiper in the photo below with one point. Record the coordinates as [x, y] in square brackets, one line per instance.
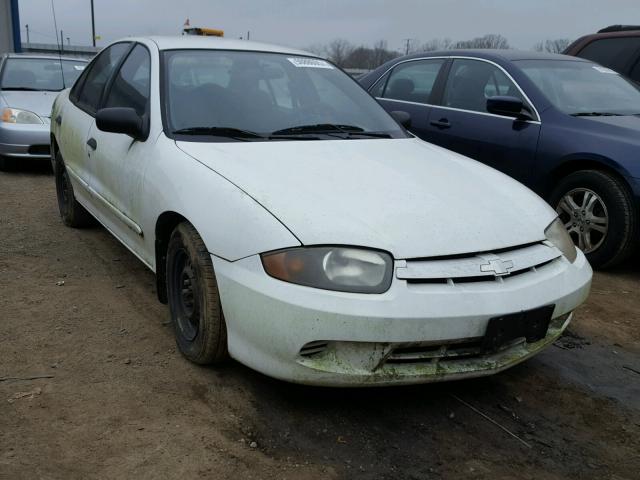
[329, 128]
[219, 132]
[595, 114]
[23, 89]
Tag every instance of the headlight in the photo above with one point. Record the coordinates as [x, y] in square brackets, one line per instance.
[14, 115]
[343, 269]
[557, 234]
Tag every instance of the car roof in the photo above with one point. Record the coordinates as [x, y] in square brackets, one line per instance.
[217, 43]
[45, 56]
[496, 54]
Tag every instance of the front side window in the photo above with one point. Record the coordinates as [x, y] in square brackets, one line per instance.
[100, 71]
[583, 88]
[40, 74]
[263, 93]
[472, 82]
[413, 81]
[130, 87]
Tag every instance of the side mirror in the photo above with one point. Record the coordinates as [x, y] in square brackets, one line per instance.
[508, 107]
[122, 120]
[403, 118]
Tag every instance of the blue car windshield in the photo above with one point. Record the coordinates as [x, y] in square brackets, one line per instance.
[40, 74]
[583, 88]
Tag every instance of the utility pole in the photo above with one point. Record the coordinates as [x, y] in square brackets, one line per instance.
[408, 45]
[93, 26]
[248, 34]
[27, 27]
[61, 41]
[68, 41]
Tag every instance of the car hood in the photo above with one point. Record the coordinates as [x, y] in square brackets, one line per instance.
[626, 124]
[405, 196]
[36, 102]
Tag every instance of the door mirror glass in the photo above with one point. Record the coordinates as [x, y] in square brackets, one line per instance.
[507, 106]
[122, 120]
[403, 118]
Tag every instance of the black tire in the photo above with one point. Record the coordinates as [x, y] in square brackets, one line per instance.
[622, 226]
[194, 301]
[5, 163]
[72, 213]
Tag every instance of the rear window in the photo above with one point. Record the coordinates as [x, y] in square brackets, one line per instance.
[615, 53]
[40, 73]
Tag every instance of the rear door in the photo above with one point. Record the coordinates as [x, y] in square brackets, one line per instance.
[461, 122]
[117, 161]
[410, 87]
[73, 120]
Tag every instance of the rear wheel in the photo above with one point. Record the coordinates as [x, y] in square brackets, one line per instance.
[72, 213]
[194, 301]
[598, 211]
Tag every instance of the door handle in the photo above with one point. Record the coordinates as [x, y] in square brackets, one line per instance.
[442, 123]
[92, 143]
[59, 120]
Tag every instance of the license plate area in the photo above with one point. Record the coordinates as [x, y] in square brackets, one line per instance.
[532, 325]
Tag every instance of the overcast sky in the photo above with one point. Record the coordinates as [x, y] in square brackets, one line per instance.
[300, 23]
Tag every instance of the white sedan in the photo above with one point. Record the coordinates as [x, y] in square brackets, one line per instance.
[295, 226]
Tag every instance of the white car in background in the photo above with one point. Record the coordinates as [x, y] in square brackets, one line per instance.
[29, 84]
[295, 226]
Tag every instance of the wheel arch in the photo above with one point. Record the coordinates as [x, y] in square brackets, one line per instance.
[577, 162]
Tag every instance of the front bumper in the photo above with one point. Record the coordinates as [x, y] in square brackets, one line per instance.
[24, 141]
[270, 323]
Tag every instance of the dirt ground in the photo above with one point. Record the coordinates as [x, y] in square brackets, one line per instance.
[122, 403]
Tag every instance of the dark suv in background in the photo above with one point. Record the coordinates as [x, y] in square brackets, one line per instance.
[616, 47]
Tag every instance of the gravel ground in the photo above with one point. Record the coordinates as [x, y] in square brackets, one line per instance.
[120, 402]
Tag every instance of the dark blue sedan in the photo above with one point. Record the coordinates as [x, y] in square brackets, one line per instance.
[566, 127]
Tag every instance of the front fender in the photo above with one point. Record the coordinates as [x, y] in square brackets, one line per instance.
[231, 223]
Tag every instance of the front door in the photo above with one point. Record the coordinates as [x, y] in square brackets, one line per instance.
[462, 123]
[116, 160]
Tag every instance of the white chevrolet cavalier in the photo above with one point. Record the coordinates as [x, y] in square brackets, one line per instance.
[295, 226]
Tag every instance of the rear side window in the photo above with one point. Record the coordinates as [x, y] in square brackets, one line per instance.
[413, 81]
[130, 88]
[615, 53]
[96, 78]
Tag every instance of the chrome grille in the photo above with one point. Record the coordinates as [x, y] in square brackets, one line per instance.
[480, 267]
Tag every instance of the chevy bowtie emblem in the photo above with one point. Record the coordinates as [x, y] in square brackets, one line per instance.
[498, 267]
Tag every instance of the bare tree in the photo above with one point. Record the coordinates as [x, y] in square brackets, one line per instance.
[338, 51]
[437, 44]
[491, 40]
[553, 46]
[317, 49]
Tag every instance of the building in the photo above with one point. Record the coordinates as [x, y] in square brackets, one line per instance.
[9, 26]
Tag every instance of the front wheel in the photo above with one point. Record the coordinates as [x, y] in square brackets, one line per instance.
[194, 301]
[598, 211]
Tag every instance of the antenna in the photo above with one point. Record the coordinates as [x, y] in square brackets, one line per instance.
[55, 25]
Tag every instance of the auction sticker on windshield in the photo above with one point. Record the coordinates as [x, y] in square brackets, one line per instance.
[303, 62]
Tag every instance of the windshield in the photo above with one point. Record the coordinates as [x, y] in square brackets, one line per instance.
[235, 95]
[40, 73]
[583, 88]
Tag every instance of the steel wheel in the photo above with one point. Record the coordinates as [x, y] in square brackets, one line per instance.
[585, 217]
[186, 298]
